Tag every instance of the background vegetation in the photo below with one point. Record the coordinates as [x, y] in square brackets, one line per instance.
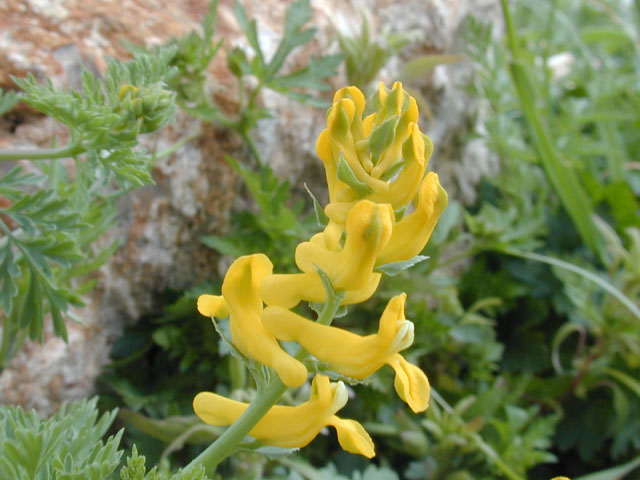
[527, 313]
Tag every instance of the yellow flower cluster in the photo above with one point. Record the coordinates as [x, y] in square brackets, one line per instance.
[382, 209]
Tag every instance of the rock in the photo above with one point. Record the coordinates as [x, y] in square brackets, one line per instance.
[195, 190]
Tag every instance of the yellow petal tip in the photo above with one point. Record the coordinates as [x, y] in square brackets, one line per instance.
[212, 306]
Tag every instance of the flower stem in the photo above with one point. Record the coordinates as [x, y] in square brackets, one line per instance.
[231, 438]
[252, 148]
[41, 153]
[176, 146]
[226, 444]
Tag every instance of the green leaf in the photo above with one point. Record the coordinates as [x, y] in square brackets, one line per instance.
[394, 268]
[227, 245]
[7, 100]
[625, 379]
[32, 312]
[298, 13]
[105, 118]
[237, 62]
[562, 177]
[608, 287]
[614, 473]
[606, 35]
[9, 273]
[558, 338]
[249, 30]
[312, 76]
[135, 469]
[68, 445]
[623, 204]
[168, 429]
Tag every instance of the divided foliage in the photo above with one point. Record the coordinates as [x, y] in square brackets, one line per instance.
[49, 217]
[67, 446]
[558, 227]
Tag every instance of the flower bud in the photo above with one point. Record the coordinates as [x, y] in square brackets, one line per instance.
[382, 157]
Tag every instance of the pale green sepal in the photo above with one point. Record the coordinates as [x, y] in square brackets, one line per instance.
[396, 267]
[399, 213]
[323, 368]
[391, 100]
[274, 453]
[321, 217]
[333, 297]
[347, 176]
[381, 138]
[392, 171]
[317, 307]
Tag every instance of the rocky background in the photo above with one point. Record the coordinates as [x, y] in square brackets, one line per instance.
[195, 191]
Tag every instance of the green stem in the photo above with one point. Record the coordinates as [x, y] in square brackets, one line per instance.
[254, 96]
[252, 147]
[227, 443]
[245, 133]
[70, 150]
[176, 146]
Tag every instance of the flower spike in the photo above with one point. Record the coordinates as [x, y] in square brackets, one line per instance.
[384, 154]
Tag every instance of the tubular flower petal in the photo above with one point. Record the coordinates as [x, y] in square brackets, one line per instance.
[384, 154]
[411, 234]
[241, 299]
[213, 306]
[358, 356]
[288, 290]
[369, 228]
[293, 427]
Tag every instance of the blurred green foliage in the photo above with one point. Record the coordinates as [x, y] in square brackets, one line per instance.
[366, 53]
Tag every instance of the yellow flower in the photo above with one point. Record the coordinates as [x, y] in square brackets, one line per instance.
[293, 427]
[411, 234]
[369, 228]
[241, 301]
[385, 152]
[356, 356]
